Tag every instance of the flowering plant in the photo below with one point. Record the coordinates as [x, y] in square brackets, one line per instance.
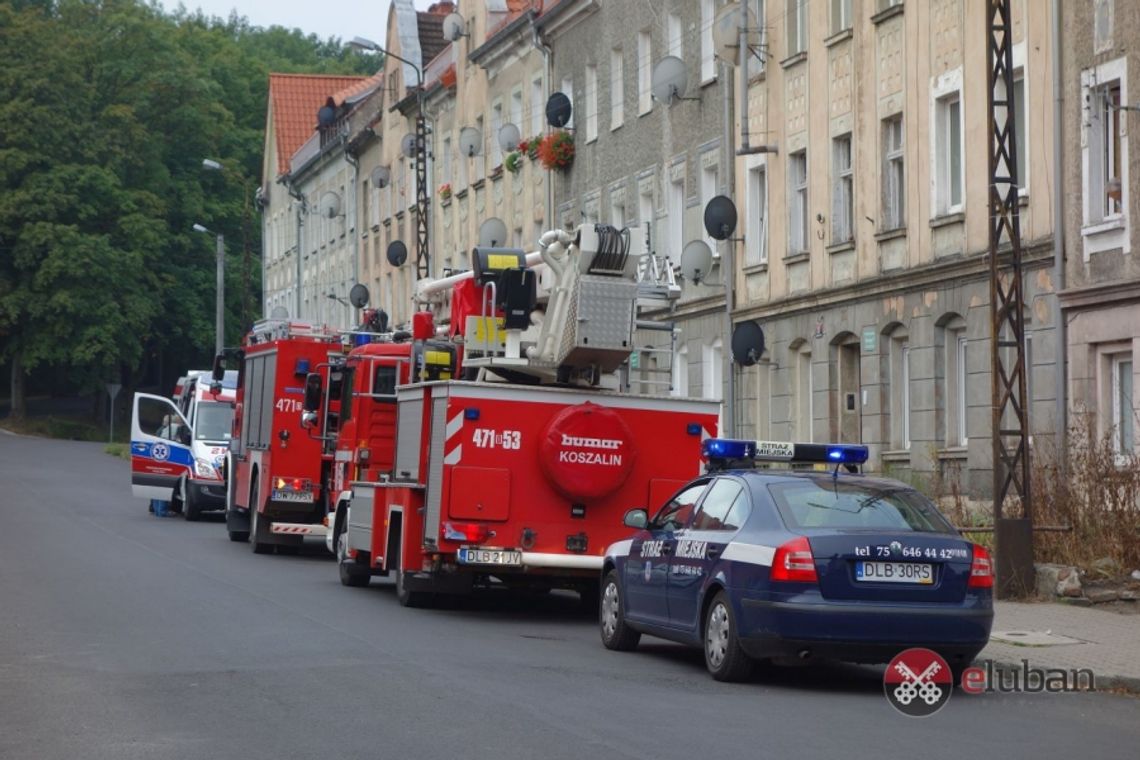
[530, 147]
[556, 151]
[445, 191]
[513, 162]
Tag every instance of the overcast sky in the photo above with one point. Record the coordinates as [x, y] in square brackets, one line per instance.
[328, 18]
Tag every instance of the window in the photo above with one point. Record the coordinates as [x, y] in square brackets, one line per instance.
[680, 379]
[675, 33]
[645, 211]
[957, 376]
[756, 235]
[894, 178]
[724, 507]
[904, 388]
[537, 108]
[709, 180]
[708, 63]
[797, 202]
[676, 210]
[1106, 105]
[948, 155]
[591, 103]
[568, 91]
[644, 73]
[840, 15]
[1123, 410]
[797, 26]
[445, 169]
[496, 125]
[481, 159]
[617, 208]
[842, 203]
[516, 110]
[366, 195]
[827, 502]
[677, 511]
[805, 389]
[1022, 128]
[617, 89]
[712, 370]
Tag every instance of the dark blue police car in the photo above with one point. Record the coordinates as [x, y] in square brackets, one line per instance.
[754, 563]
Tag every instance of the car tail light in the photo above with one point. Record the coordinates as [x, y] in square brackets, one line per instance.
[473, 532]
[981, 569]
[793, 562]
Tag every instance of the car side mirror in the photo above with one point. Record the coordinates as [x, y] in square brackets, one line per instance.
[219, 370]
[636, 518]
[184, 435]
[312, 392]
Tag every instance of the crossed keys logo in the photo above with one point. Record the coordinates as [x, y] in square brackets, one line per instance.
[918, 682]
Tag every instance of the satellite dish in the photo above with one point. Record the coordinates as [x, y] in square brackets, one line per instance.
[558, 110]
[279, 312]
[470, 142]
[492, 233]
[696, 261]
[381, 176]
[509, 137]
[720, 218]
[330, 205]
[326, 117]
[408, 145]
[453, 25]
[397, 253]
[747, 343]
[358, 295]
[726, 33]
[669, 79]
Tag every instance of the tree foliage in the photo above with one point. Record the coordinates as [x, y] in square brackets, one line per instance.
[109, 108]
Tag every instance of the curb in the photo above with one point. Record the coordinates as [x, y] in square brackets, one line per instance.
[1104, 682]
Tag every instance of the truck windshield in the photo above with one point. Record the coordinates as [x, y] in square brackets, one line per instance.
[213, 421]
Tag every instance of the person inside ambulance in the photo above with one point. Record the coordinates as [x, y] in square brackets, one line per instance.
[173, 430]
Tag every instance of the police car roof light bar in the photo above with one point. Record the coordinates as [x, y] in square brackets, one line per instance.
[720, 450]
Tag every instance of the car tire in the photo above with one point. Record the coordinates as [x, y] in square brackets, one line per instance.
[408, 598]
[257, 528]
[724, 657]
[192, 510]
[351, 574]
[616, 632]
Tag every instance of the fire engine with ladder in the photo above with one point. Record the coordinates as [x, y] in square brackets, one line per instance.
[505, 451]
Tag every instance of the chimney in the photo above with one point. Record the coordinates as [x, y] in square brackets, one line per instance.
[441, 8]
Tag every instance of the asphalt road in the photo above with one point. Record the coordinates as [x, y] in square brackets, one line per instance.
[126, 636]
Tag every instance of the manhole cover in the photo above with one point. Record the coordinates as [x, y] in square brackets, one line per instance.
[1033, 638]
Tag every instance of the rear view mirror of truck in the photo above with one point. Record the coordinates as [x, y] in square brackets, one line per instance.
[219, 368]
[312, 392]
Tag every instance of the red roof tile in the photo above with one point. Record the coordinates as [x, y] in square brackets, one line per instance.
[295, 100]
[362, 87]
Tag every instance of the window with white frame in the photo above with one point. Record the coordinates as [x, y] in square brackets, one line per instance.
[894, 175]
[675, 34]
[645, 211]
[644, 73]
[898, 387]
[517, 110]
[761, 10]
[840, 15]
[712, 370]
[1123, 408]
[904, 393]
[479, 164]
[445, 164]
[568, 91]
[537, 108]
[1104, 166]
[617, 208]
[842, 190]
[496, 125]
[796, 22]
[680, 375]
[591, 103]
[805, 390]
[675, 207]
[756, 234]
[617, 89]
[709, 179]
[1022, 130]
[708, 62]
[959, 390]
[797, 202]
[948, 155]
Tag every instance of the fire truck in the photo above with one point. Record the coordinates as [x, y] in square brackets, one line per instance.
[507, 452]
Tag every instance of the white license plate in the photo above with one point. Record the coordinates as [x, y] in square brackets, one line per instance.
[472, 556]
[292, 496]
[895, 572]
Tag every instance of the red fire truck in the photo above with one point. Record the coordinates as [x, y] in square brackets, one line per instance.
[518, 474]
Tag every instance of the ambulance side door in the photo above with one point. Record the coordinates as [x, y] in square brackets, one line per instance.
[160, 447]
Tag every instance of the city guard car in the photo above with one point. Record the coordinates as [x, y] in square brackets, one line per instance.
[754, 562]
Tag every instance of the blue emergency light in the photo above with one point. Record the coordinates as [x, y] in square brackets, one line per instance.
[720, 450]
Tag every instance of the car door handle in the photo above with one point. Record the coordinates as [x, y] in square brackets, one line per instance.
[713, 552]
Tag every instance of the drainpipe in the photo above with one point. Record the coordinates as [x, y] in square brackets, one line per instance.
[298, 247]
[548, 73]
[354, 162]
[727, 262]
[1060, 378]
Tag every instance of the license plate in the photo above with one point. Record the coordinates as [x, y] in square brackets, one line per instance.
[472, 556]
[292, 496]
[895, 572]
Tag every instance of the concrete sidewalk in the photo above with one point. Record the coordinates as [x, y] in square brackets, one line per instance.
[1051, 635]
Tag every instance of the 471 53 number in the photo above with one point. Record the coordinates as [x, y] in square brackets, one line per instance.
[485, 438]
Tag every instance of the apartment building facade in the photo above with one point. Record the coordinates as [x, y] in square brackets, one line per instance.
[866, 229]
[1100, 296]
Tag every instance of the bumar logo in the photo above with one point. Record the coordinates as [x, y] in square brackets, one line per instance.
[918, 682]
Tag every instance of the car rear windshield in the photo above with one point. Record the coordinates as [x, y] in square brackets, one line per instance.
[828, 502]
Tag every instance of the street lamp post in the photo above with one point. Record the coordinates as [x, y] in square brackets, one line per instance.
[217, 166]
[423, 267]
[220, 296]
